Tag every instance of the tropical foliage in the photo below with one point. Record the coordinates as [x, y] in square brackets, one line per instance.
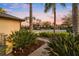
[22, 38]
[46, 34]
[52, 6]
[63, 45]
[50, 34]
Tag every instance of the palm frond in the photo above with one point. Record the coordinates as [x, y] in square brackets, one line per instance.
[47, 7]
[63, 4]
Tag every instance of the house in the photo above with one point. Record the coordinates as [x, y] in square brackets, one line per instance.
[9, 23]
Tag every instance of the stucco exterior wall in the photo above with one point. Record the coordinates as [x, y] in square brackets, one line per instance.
[7, 26]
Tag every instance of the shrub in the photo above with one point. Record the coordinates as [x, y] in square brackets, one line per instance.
[22, 38]
[45, 34]
[69, 29]
[50, 34]
[2, 50]
[63, 45]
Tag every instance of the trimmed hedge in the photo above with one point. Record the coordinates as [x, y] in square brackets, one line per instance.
[50, 34]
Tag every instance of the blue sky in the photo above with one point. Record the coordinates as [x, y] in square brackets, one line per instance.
[22, 10]
[37, 6]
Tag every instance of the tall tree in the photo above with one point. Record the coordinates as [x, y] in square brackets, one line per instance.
[75, 18]
[30, 19]
[48, 6]
[67, 21]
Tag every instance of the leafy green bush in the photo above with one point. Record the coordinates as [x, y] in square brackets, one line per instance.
[63, 45]
[2, 50]
[45, 34]
[50, 34]
[22, 38]
[69, 29]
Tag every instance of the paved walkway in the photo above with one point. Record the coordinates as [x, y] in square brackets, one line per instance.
[40, 51]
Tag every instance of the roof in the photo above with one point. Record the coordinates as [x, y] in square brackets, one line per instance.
[5, 15]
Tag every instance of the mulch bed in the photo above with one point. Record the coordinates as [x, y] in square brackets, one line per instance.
[29, 49]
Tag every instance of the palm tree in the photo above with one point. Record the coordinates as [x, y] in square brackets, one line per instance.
[30, 18]
[75, 18]
[48, 6]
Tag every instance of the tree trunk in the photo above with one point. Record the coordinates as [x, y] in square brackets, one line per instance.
[30, 18]
[54, 17]
[75, 18]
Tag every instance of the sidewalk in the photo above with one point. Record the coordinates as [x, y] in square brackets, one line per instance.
[40, 51]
